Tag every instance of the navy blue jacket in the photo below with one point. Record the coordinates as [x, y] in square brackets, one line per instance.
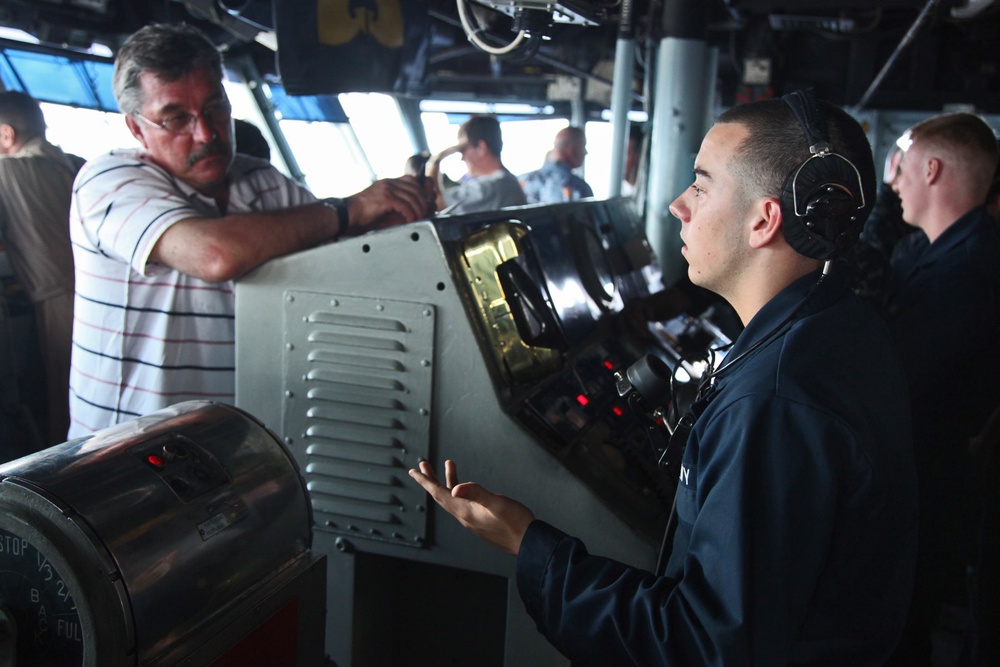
[943, 309]
[797, 528]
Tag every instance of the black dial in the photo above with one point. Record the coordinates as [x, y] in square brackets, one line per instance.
[39, 607]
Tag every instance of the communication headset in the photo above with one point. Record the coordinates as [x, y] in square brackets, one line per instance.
[823, 211]
[823, 197]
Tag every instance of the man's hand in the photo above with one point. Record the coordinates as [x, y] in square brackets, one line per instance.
[497, 519]
[386, 203]
[434, 162]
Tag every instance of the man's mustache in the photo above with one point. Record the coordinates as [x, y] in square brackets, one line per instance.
[211, 148]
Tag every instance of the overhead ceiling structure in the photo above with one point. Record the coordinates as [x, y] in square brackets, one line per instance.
[886, 54]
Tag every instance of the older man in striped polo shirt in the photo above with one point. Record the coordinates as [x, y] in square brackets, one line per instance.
[160, 232]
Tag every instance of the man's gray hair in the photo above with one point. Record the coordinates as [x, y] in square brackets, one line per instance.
[169, 51]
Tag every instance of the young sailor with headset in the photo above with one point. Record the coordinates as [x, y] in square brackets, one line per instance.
[795, 523]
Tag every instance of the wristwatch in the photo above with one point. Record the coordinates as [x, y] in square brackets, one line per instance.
[343, 216]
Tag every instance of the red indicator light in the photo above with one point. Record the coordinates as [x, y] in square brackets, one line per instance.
[610, 366]
[155, 460]
[617, 410]
[581, 399]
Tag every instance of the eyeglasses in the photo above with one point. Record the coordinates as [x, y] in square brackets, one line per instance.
[183, 123]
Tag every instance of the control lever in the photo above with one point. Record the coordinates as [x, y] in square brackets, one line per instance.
[535, 321]
[647, 387]
[650, 382]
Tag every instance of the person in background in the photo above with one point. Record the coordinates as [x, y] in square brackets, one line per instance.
[633, 160]
[161, 232]
[555, 182]
[416, 164]
[488, 185]
[36, 183]
[250, 140]
[795, 514]
[942, 304]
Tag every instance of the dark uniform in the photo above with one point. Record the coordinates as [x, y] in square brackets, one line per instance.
[943, 309]
[796, 538]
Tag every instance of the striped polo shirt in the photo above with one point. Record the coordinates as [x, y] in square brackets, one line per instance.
[144, 335]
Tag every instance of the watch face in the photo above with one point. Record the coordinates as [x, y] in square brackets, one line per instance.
[37, 611]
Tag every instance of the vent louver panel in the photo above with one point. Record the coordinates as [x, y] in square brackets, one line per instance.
[357, 406]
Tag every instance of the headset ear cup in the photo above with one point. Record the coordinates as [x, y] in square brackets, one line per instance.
[829, 221]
